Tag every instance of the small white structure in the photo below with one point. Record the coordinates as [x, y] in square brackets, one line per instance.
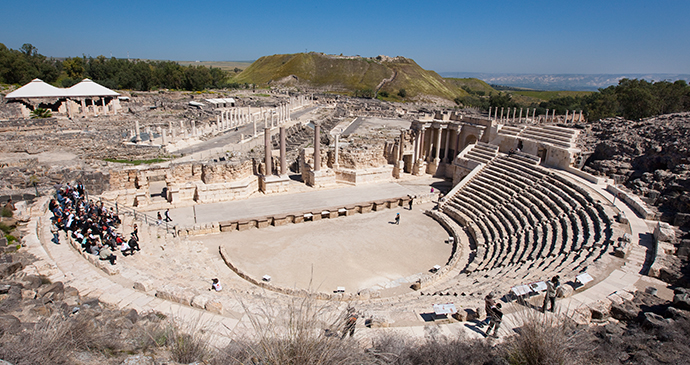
[86, 98]
[222, 102]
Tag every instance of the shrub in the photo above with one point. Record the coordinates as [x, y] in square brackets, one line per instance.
[402, 93]
[6, 212]
[40, 113]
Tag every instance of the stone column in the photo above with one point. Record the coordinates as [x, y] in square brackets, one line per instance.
[520, 118]
[253, 120]
[496, 113]
[267, 152]
[317, 147]
[546, 116]
[514, 110]
[438, 146]
[283, 163]
[105, 111]
[273, 119]
[422, 154]
[534, 114]
[489, 112]
[336, 166]
[415, 155]
[457, 142]
[164, 139]
[137, 134]
[581, 120]
[193, 129]
[83, 108]
[553, 118]
[445, 150]
[566, 116]
[501, 114]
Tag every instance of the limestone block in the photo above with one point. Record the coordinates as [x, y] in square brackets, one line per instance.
[200, 301]
[333, 213]
[228, 226]
[565, 291]
[175, 294]
[143, 285]
[279, 221]
[298, 218]
[664, 232]
[601, 309]
[109, 269]
[263, 223]
[243, 225]
[365, 208]
[460, 316]
[214, 306]
[582, 316]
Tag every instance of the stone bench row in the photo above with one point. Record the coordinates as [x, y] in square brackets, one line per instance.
[283, 219]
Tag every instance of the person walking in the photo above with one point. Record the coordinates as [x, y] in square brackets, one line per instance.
[397, 219]
[489, 303]
[551, 291]
[167, 216]
[495, 321]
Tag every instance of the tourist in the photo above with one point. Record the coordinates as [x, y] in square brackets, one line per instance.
[350, 322]
[106, 254]
[133, 244]
[411, 201]
[551, 291]
[397, 218]
[511, 152]
[55, 231]
[167, 215]
[216, 285]
[489, 303]
[495, 321]
[159, 219]
[126, 249]
[135, 232]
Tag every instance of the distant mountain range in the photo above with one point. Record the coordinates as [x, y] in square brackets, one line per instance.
[577, 82]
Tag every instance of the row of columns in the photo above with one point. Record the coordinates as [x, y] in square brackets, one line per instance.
[268, 153]
[542, 118]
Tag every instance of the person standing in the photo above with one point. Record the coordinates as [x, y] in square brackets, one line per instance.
[167, 215]
[350, 322]
[489, 303]
[551, 291]
[397, 219]
[216, 285]
[411, 202]
[495, 321]
[135, 232]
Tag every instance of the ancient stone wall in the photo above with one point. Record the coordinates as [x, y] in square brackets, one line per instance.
[363, 157]
[223, 172]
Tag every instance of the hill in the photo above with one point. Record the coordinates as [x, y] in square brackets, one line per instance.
[350, 75]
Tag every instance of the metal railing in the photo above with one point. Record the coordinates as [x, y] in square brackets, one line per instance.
[141, 217]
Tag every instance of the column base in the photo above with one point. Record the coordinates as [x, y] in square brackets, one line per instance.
[270, 184]
[321, 178]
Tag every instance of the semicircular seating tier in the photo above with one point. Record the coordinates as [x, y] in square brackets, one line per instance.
[526, 221]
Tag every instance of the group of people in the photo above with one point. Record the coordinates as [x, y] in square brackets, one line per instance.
[89, 223]
[494, 314]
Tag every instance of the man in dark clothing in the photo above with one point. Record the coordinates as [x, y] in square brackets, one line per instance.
[350, 323]
[495, 322]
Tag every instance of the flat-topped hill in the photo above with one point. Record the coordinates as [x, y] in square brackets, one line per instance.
[351, 74]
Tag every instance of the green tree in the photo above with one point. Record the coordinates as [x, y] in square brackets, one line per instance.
[74, 67]
[402, 93]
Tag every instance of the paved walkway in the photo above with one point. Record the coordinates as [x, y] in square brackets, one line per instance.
[261, 205]
[61, 262]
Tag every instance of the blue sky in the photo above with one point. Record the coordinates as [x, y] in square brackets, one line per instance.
[525, 36]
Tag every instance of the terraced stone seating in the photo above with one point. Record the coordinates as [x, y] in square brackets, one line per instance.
[525, 221]
[554, 135]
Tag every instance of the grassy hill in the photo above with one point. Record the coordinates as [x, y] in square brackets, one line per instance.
[473, 84]
[349, 74]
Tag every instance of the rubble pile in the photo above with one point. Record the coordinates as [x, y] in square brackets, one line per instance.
[651, 157]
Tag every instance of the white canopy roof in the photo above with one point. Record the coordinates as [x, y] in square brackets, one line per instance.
[39, 89]
[221, 101]
[89, 88]
[36, 89]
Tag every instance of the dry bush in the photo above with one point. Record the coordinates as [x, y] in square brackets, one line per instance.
[399, 349]
[303, 334]
[547, 339]
[187, 342]
[54, 340]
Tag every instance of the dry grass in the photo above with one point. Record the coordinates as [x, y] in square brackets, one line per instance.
[546, 339]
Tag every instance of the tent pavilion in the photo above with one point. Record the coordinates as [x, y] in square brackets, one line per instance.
[86, 98]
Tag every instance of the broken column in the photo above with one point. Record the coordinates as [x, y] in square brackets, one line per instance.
[137, 136]
[336, 166]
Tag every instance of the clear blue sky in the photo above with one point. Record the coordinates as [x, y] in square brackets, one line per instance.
[524, 36]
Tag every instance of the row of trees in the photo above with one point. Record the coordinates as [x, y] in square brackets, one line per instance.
[21, 66]
[632, 99]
